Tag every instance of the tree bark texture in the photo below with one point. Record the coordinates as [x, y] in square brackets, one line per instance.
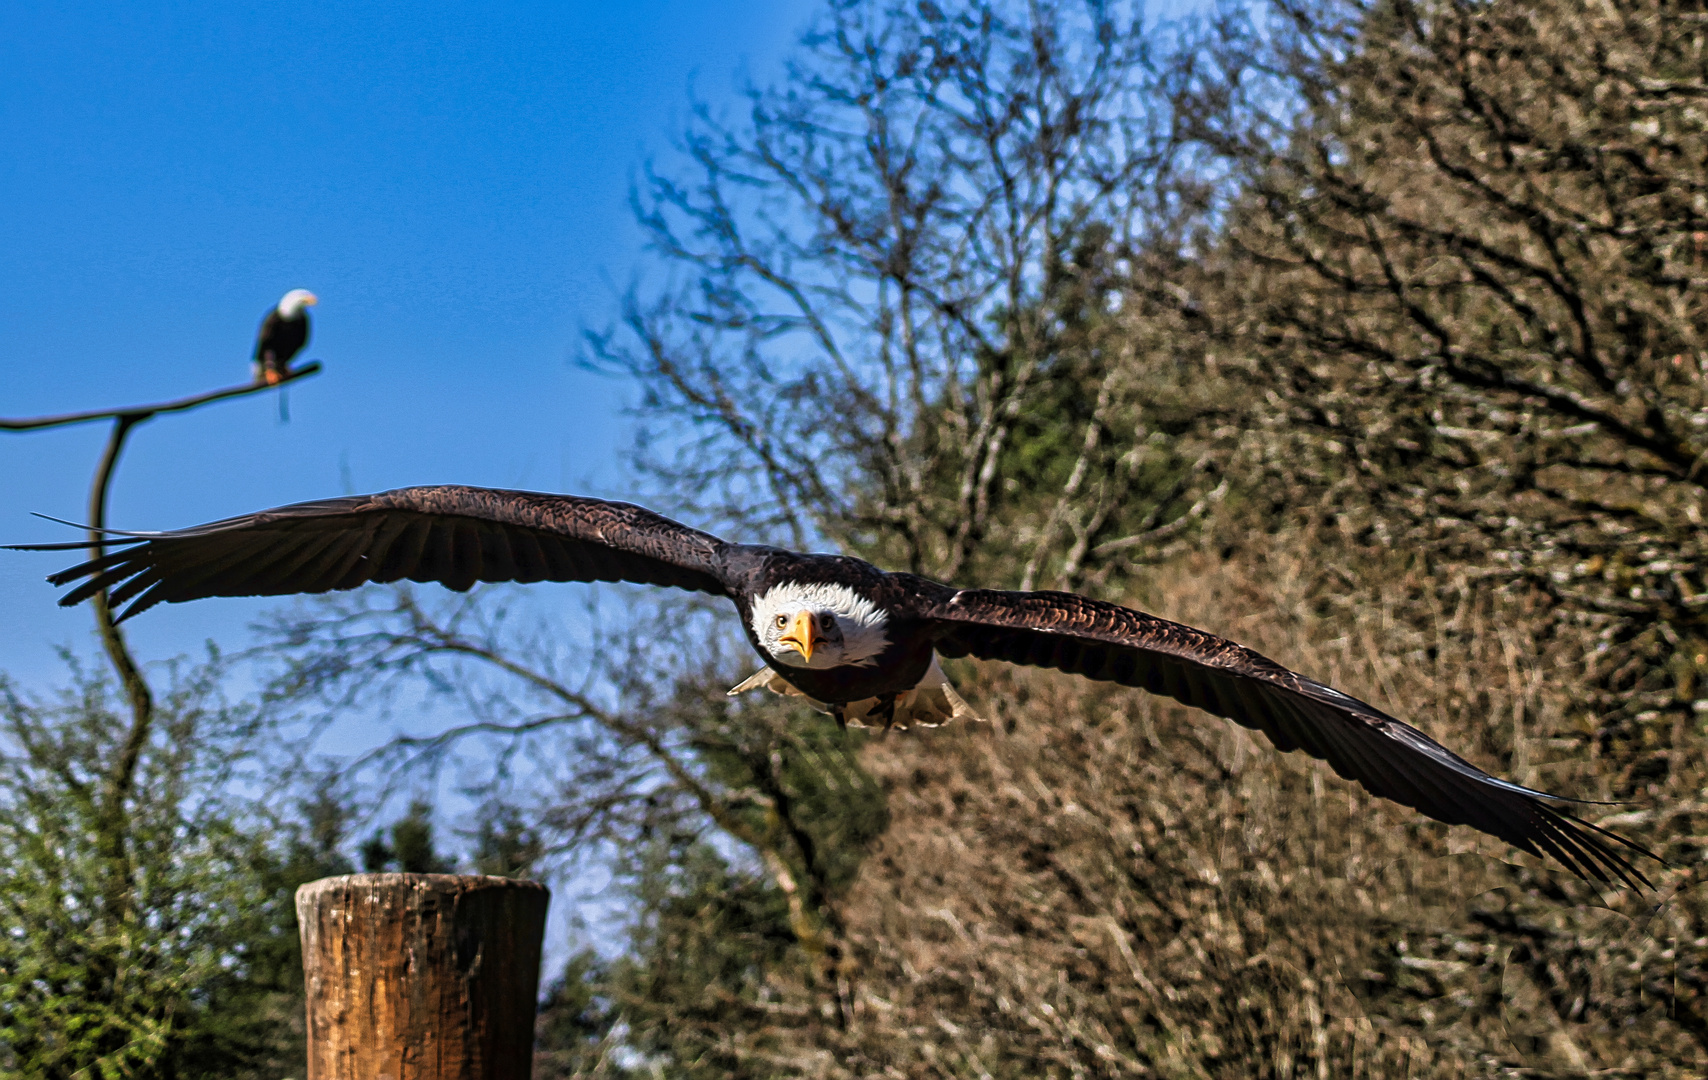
[421, 976]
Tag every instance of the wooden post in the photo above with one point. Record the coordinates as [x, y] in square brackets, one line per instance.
[421, 976]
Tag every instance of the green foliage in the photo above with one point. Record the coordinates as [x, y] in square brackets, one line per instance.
[169, 955]
[816, 791]
[576, 1023]
[410, 849]
[504, 844]
[1109, 463]
[708, 941]
[715, 938]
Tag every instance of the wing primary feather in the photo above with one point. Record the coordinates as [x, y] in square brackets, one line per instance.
[385, 537]
[143, 603]
[465, 557]
[555, 558]
[263, 571]
[231, 571]
[1356, 761]
[90, 568]
[1610, 834]
[1588, 835]
[57, 545]
[331, 565]
[137, 559]
[530, 560]
[357, 570]
[199, 565]
[1388, 778]
[143, 580]
[1558, 844]
[67, 545]
[353, 568]
[89, 588]
[404, 555]
[496, 561]
[1586, 851]
[1441, 795]
[435, 560]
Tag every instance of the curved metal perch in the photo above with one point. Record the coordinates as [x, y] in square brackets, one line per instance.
[138, 413]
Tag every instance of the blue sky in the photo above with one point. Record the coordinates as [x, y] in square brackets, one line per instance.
[450, 179]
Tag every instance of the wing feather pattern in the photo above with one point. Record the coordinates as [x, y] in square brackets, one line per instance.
[1388, 758]
[455, 536]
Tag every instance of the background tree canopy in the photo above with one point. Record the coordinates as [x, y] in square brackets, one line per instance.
[1389, 365]
[1368, 335]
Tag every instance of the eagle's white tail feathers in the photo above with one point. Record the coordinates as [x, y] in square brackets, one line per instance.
[932, 703]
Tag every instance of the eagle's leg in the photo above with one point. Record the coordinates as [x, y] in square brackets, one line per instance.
[887, 710]
[841, 713]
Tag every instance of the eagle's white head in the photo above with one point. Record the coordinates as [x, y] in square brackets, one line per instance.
[294, 301]
[819, 626]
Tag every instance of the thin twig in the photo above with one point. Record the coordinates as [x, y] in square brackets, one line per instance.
[139, 413]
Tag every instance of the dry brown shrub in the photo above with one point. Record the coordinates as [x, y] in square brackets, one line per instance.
[1103, 883]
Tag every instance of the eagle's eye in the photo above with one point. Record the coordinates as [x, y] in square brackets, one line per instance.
[782, 621]
[827, 620]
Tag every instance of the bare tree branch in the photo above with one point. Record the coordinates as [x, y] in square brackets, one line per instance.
[138, 413]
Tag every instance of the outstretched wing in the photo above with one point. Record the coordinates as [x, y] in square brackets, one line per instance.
[1389, 758]
[455, 536]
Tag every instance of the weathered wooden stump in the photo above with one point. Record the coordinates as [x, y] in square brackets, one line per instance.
[421, 976]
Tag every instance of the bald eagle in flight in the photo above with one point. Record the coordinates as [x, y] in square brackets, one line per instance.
[856, 641]
[284, 332]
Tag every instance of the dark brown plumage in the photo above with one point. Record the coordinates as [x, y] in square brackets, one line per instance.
[888, 627]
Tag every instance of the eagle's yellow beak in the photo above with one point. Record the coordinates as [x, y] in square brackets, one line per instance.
[803, 634]
[310, 300]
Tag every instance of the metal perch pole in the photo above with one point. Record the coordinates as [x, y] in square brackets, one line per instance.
[139, 413]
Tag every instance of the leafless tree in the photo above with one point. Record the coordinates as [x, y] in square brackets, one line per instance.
[1472, 281]
[894, 286]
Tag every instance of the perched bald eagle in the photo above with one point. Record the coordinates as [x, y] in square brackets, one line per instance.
[284, 332]
[856, 641]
